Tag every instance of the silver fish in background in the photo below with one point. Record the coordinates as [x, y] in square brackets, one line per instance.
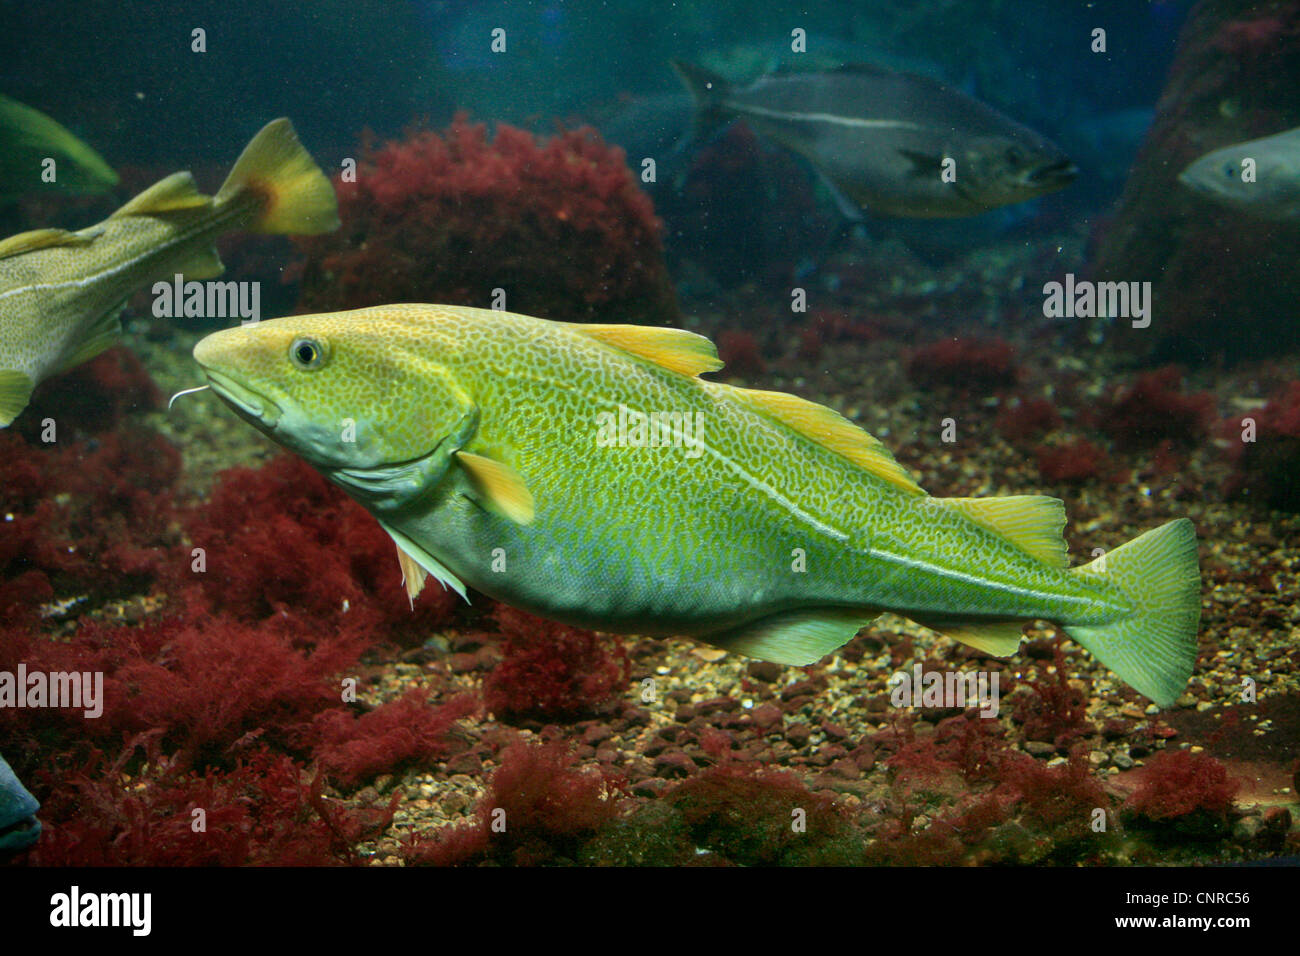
[880, 138]
[1267, 188]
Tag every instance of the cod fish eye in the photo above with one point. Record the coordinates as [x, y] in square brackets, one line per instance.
[307, 353]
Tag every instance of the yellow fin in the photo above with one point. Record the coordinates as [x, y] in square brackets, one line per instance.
[297, 198]
[500, 485]
[15, 392]
[413, 575]
[1033, 523]
[795, 637]
[995, 638]
[40, 239]
[674, 349]
[175, 193]
[829, 429]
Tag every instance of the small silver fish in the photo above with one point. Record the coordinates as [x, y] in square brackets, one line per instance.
[1260, 178]
[883, 140]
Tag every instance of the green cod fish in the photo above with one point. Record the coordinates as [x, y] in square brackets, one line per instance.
[28, 138]
[61, 292]
[881, 138]
[588, 474]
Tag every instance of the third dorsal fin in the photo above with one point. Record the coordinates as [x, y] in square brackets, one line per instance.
[1033, 523]
[174, 193]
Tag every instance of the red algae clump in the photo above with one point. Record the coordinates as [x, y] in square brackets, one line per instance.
[560, 226]
[966, 364]
[539, 808]
[1154, 409]
[1266, 451]
[551, 671]
[1188, 793]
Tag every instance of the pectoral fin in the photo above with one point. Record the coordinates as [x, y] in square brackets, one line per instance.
[923, 164]
[795, 637]
[15, 392]
[104, 334]
[500, 486]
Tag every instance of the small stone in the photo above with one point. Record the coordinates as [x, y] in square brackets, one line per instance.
[467, 763]
[597, 734]
[674, 764]
[798, 734]
[767, 716]
[1098, 759]
[453, 803]
[834, 732]
[1123, 761]
[765, 671]
[1039, 748]
[716, 705]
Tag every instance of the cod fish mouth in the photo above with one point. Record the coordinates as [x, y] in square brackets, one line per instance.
[1060, 172]
[20, 833]
[244, 400]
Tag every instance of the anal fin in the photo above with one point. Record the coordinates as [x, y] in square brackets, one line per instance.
[794, 637]
[995, 638]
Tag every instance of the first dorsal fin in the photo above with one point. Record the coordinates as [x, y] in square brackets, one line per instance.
[1033, 523]
[174, 193]
[829, 429]
[40, 239]
[674, 349]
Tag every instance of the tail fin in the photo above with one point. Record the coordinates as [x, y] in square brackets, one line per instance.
[709, 92]
[297, 198]
[1152, 648]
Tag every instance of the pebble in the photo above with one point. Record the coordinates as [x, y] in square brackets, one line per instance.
[767, 716]
[673, 764]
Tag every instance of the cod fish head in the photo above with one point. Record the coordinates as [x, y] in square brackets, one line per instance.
[1000, 171]
[354, 390]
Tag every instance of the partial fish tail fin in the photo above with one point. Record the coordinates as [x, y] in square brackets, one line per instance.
[296, 197]
[1153, 648]
[709, 91]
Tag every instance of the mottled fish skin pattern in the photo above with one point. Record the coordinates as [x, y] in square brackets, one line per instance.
[88, 282]
[642, 540]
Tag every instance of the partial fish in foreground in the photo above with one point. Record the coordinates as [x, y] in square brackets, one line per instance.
[19, 827]
[28, 138]
[61, 292]
[1272, 190]
[503, 452]
[880, 139]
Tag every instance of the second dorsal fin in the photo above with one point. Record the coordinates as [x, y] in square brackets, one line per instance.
[674, 349]
[176, 192]
[829, 429]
